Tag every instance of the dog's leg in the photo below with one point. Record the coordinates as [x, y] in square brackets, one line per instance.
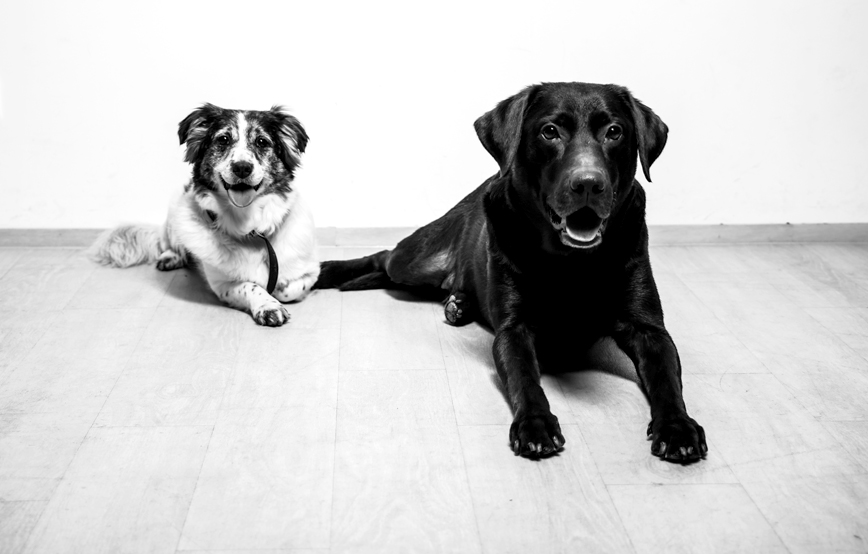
[251, 298]
[336, 273]
[292, 290]
[535, 430]
[641, 335]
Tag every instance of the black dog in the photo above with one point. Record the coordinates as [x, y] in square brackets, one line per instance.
[552, 253]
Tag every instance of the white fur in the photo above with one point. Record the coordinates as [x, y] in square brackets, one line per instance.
[234, 263]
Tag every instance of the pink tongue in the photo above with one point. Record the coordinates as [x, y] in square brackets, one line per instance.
[241, 198]
[582, 235]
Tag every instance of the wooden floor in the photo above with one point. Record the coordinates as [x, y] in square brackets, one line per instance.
[137, 415]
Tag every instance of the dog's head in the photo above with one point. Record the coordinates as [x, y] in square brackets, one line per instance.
[570, 150]
[241, 155]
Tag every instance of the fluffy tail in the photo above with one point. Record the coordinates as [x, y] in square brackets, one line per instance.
[359, 274]
[126, 246]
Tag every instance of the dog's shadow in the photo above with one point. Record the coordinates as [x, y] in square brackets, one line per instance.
[602, 357]
[188, 285]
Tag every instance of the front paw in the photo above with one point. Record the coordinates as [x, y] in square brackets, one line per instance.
[271, 315]
[677, 438]
[535, 435]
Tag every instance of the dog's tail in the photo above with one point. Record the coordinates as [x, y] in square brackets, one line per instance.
[358, 274]
[126, 246]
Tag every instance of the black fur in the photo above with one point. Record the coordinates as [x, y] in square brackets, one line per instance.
[552, 253]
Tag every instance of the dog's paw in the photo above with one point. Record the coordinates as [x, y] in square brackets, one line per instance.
[536, 435]
[271, 316]
[170, 260]
[677, 439]
[456, 309]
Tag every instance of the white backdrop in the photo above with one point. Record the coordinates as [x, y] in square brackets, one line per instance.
[765, 100]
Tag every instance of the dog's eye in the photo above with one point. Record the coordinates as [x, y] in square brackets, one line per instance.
[614, 132]
[222, 140]
[261, 143]
[550, 132]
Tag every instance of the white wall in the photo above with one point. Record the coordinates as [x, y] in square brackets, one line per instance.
[765, 100]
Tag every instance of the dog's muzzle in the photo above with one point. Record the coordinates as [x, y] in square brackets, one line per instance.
[582, 228]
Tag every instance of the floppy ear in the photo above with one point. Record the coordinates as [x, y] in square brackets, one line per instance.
[500, 129]
[651, 132]
[194, 129]
[293, 137]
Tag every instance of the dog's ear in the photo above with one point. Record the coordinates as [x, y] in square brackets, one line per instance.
[193, 129]
[293, 137]
[500, 129]
[651, 132]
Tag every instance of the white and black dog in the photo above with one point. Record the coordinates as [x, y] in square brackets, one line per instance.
[240, 193]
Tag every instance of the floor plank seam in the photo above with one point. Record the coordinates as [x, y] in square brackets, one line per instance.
[335, 443]
[460, 444]
[195, 488]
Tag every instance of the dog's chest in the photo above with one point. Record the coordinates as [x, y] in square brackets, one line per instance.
[245, 260]
[574, 303]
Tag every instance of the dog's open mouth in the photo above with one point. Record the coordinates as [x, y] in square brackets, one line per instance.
[581, 229]
[241, 195]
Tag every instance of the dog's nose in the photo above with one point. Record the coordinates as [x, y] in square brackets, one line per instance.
[591, 183]
[242, 169]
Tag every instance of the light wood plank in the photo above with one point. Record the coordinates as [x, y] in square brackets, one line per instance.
[853, 436]
[388, 330]
[298, 367]
[135, 287]
[127, 490]
[815, 514]
[261, 551]
[41, 288]
[62, 257]
[693, 518]
[17, 520]
[705, 344]
[76, 362]
[20, 331]
[35, 450]
[8, 257]
[775, 330]
[476, 389]
[613, 416]
[399, 472]
[755, 419]
[266, 482]
[180, 368]
[558, 505]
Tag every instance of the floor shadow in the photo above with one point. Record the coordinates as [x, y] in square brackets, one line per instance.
[417, 294]
[604, 356]
[189, 286]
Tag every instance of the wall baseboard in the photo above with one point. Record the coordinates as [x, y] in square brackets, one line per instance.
[660, 235]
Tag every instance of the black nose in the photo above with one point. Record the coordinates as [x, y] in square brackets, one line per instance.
[592, 183]
[242, 169]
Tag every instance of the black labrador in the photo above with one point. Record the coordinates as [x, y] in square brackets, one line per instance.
[552, 253]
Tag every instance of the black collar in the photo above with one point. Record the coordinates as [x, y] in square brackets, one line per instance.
[272, 262]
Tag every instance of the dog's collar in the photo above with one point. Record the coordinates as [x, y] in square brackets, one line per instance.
[272, 262]
[273, 266]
